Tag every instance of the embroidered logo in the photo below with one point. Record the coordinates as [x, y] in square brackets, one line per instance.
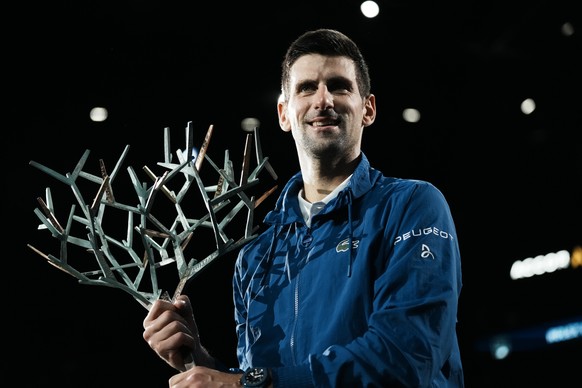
[426, 253]
[431, 230]
[344, 245]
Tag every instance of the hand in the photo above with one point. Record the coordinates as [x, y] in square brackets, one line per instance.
[171, 331]
[199, 376]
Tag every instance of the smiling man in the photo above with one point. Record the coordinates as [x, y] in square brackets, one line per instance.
[339, 290]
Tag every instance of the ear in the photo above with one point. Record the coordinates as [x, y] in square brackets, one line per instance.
[282, 113]
[369, 110]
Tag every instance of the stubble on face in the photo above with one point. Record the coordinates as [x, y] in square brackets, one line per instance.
[325, 126]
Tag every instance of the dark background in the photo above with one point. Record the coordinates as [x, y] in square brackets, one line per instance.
[513, 181]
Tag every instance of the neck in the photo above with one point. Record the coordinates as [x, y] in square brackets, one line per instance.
[321, 177]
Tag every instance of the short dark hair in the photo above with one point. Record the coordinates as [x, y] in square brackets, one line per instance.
[330, 43]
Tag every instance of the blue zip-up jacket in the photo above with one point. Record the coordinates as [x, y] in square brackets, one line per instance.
[365, 297]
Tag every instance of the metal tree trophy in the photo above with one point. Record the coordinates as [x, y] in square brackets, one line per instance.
[134, 263]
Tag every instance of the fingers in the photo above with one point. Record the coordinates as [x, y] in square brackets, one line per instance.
[169, 333]
[200, 376]
[180, 309]
[157, 308]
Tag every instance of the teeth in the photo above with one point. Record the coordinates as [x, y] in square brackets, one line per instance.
[321, 124]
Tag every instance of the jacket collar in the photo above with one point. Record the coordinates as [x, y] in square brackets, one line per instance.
[287, 206]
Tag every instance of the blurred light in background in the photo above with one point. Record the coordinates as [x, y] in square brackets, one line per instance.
[370, 9]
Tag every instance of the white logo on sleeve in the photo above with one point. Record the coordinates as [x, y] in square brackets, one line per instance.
[426, 253]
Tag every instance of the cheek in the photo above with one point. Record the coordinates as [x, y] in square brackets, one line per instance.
[293, 115]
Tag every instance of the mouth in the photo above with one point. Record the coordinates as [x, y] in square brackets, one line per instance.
[324, 122]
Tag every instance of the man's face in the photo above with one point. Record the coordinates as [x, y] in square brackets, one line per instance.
[324, 110]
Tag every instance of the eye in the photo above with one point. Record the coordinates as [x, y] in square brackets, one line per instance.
[339, 85]
[306, 87]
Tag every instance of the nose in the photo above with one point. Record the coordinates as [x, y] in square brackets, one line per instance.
[323, 98]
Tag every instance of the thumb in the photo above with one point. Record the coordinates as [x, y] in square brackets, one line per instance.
[184, 307]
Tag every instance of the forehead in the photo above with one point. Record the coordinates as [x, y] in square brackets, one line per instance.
[316, 67]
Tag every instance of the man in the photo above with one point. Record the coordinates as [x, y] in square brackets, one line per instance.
[356, 280]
